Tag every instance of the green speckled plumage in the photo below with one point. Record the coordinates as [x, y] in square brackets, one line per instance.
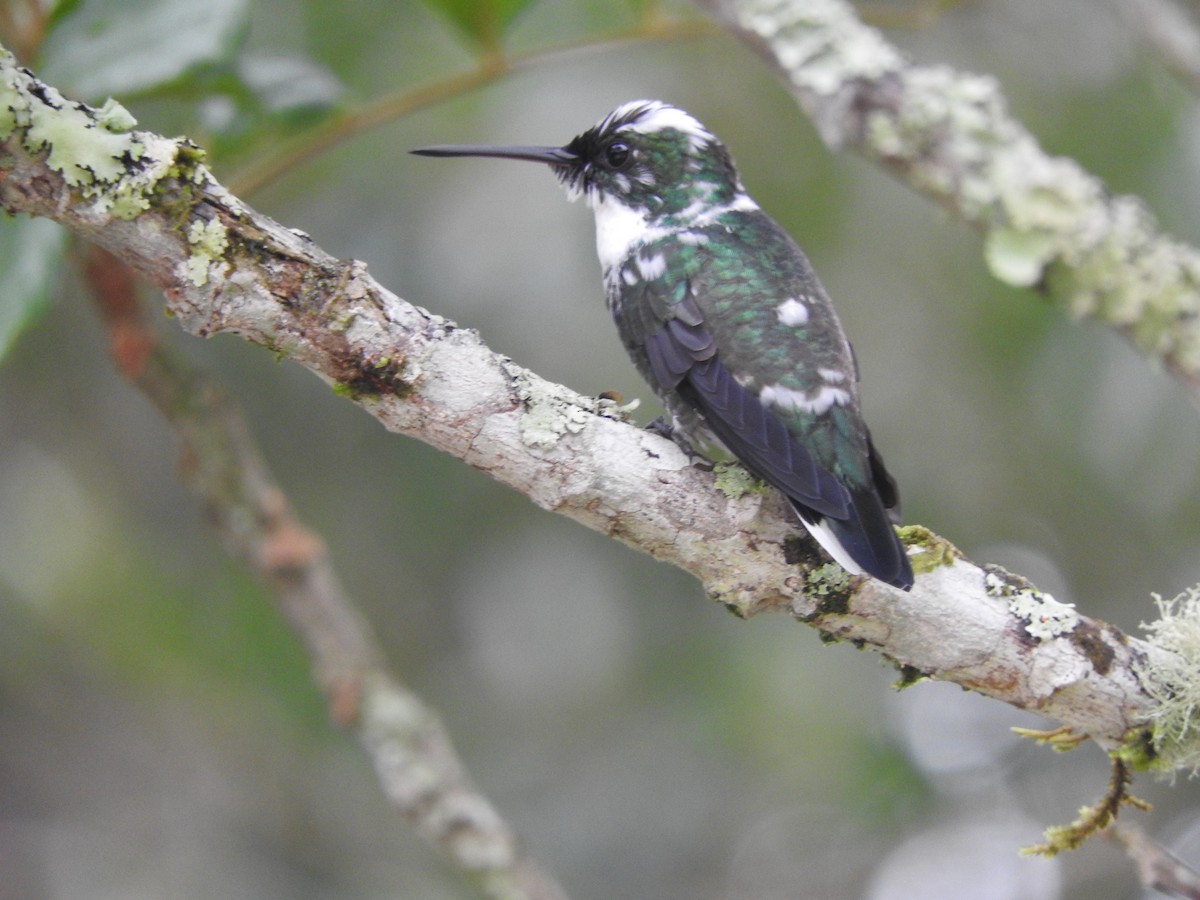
[738, 278]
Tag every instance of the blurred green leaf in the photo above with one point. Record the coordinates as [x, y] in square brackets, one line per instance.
[288, 83]
[642, 7]
[31, 252]
[59, 10]
[483, 21]
[107, 47]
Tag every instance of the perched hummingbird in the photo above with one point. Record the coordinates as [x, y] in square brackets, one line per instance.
[725, 318]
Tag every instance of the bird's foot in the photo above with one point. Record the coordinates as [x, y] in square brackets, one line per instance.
[662, 428]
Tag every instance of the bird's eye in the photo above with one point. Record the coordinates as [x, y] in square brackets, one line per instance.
[617, 154]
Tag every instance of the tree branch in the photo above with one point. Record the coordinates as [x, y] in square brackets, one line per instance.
[415, 762]
[1046, 222]
[225, 268]
[1158, 869]
[1171, 31]
[413, 756]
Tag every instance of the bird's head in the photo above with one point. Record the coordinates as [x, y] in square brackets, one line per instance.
[649, 157]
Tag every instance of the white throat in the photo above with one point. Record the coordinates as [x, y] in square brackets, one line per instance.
[619, 231]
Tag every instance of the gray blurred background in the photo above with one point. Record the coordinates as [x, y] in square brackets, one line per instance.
[159, 736]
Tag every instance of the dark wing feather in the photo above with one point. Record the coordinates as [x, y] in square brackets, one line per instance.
[885, 484]
[669, 361]
[736, 417]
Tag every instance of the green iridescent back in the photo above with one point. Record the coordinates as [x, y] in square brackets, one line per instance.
[739, 269]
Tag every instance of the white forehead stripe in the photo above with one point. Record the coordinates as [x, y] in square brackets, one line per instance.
[664, 117]
[659, 116]
[625, 109]
[819, 402]
[792, 312]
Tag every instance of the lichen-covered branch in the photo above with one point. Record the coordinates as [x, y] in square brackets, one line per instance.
[417, 766]
[225, 268]
[1046, 222]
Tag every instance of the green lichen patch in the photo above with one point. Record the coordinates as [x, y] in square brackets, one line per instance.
[112, 116]
[735, 481]
[161, 159]
[1170, 674]
[927, 551]
[77, 145]
[96, 151]
[1137, 751]
[14, 106]
[829, 585]
[550, 411]
[1018, 257]
[208, 241]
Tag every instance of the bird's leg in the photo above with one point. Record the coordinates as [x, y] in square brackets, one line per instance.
[663, 428]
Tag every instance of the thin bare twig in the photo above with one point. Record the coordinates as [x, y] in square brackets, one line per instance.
[1158, 869]
[413, 756]
[1094, 818]
[1172, 32]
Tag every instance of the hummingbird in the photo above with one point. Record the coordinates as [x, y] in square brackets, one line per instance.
[724, 317]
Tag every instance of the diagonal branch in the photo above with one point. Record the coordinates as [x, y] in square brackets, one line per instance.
[1046, 222]
[225, 268]
[417, 766]
[1171, 31]
[1158, 869]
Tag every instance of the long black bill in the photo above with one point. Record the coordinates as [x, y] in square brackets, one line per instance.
[554, 156]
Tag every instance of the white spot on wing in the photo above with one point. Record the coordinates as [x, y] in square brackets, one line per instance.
[832, 376]
[654, 267]
[743, 202]
[702, 211]
[745, 379]
[792, 312]
[820, 402]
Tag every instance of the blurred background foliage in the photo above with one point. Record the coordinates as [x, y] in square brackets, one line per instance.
[159, 736]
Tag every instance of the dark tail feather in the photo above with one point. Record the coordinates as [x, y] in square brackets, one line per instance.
[869, 538]
[863, 543]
